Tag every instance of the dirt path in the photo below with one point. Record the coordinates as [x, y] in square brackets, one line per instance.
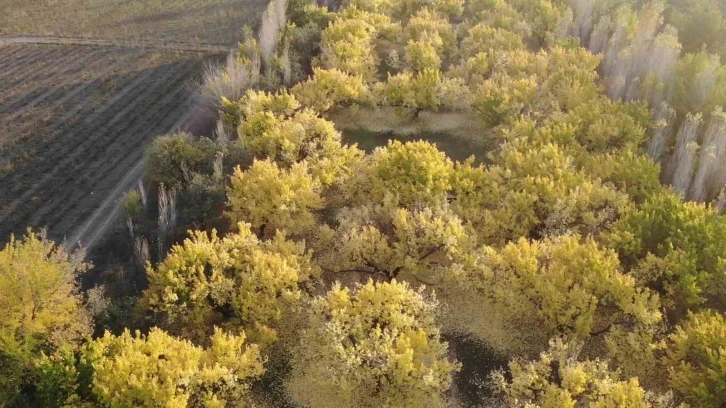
[144, 44]
[88, 234]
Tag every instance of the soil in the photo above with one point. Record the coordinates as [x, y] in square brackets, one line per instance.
[74, 123]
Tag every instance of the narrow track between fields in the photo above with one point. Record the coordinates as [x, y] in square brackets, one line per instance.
[144, 44]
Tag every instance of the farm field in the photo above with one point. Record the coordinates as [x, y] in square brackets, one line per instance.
[74, 120]
[191, 21]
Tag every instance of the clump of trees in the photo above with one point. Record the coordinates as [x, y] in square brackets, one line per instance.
[320, 275]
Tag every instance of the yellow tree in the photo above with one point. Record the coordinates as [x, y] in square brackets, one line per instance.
[484, 38]
[696, 359]
[328, 88]
[270, 198]
[238, 282]
[159, 370]
[273, 127]
[374, 346]
[559, 379]
[569, 286]
[428, 245]
[42, 310]
[415, 172]
[348, 44]
[532, 191]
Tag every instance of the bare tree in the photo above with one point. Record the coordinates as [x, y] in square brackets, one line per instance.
[167, 216]
[685, 157]
[713, 148]
[662, 132]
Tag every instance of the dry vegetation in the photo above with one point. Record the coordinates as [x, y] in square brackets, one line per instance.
[75, 119]
[197, 21]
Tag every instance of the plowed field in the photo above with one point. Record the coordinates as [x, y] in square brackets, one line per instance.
[189, 21]
[74, 120]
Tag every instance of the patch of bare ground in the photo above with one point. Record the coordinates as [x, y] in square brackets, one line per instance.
[74, 122]
[458, 134]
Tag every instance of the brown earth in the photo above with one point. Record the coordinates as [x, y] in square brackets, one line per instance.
[188, 21]
[74, 123]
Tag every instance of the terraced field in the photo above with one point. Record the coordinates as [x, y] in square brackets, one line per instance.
[74, 121]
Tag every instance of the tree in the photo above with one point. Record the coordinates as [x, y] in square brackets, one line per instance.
[675, 248]
[559, 379]
[273, 127]
[571, 287]
[238, 283]
[417, 92]
[374, 346]
[483, 38]
[328, 88]
[532, 191]
[427, 246]
[431, 26]
[160, 370]
[272, 199]
[416, 172]
[42, 309]
[348, 45]
[422, 55]
[696, 359]
[533, 85]
[172, 159]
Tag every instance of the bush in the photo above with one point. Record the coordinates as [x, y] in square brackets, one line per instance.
[173, 159]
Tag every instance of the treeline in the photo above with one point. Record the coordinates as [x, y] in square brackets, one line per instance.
[316, 275]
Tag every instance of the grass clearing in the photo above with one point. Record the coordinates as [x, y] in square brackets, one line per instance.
[458, 135]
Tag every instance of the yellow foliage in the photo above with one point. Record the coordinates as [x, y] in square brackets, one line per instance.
[415, 172]
[161, 371]
[558, 379]
[374, 346]
[573, 288]
[287, 135]
[331, 87]
[428, 245]
[696, 357]
[239, 283]
[272, 199]
[41, 308]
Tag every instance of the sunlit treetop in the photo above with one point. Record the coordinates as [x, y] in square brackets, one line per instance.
[415, 172]
[374, 345]
[696, 357]
[42, 309]
[559, 379]
[160, 370]
[238, 282]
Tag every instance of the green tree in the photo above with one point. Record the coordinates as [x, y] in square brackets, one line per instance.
[173, 159]
[374, 346]
[675, 248]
